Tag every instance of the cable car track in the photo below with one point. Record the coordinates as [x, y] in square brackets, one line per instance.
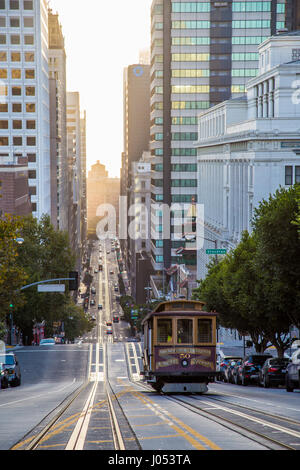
[241, 424]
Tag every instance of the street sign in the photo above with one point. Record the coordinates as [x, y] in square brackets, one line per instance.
[52, 288]
[216, 252]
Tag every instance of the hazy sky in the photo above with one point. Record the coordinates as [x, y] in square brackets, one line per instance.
[102, 37]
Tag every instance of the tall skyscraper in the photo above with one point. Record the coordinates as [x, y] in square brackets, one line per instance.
[202, 53]
[58, 119]
[136, 86]
[24, 93]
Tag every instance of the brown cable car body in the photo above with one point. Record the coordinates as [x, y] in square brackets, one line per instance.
[180, 347]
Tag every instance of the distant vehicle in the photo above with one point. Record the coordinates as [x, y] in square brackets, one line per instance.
[95, 271]
[100, 267]
[11, 365]
[116, 319]
[47, 342]
[92, 302]
[109, 331]
[293, 372]
[273, 372]
[108, 323]
[228, 373]
[116, 289]
[93, 290]
[224, 363]
[111, 272]
[3, 376]
[100, 307]
[108, 252]
[249, 369]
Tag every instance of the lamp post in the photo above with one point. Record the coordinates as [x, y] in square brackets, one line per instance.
[19, 241]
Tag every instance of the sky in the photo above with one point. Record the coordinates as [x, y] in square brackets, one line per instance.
[102, 37]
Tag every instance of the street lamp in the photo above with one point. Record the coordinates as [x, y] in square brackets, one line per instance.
[19, 241]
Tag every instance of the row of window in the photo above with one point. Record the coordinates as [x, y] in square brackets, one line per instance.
[256, 6]
[17, 90]
[17, 74]
[235, 24]
[17, 124]
[292, 175]
[16, 56]
[17, 141]
[193, 57]
[200, 41]
[190, 7]
[184, 152]
[16, 4]
[15, 39]
[178, 167]
[17, 107]
[176, 198]
[190, 73]
[28, 22]
[176, 183]
[178, 136]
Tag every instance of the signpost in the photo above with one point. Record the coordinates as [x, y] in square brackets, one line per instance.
[52, 288]
[216, 252]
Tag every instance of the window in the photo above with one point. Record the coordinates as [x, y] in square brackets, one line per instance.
[3, 56]
[3, 108]
[31, 141]
[29, 40]
[2, 39]
[14, 4]
[3, 90]
[16, 57]
[28, 22]
[3, 141]
[297, 174]
[16, 73]
[30, 91]
[15, 39]
[2, 5]
[29, 56]
[30, 125]
[2, 21]
[17, 107]
[17, 141]
[30, 107]
[16, 91]
[164, 331]
[28, 4]
[30, 74]
[3, 73]
[32, 174]
[288, 175]
[185, 331]
[15, 22]
[204, 331]
[17, 124]
[32, 190]
[3, 124]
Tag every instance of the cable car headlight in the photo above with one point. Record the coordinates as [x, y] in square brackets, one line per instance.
[184, 362]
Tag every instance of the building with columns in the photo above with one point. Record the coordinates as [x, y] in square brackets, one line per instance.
[248, 147]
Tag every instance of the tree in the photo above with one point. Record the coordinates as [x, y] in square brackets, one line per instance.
[45, 254]
[278, 254]
[12, 275]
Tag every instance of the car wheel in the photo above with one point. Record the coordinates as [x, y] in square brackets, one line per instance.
[266, 382]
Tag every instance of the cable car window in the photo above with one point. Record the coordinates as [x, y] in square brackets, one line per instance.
[164, 331]
[185, 331]
[204, 331]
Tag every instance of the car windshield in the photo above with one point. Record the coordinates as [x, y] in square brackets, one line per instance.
[7, 359]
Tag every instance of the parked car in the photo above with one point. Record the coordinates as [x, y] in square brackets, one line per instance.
[234, 372]
[47, 342]
[92, 302]
[293, 372]
[12, 367]
[273, 372]
[109, 330]
[224, 363]
[228, 372]
[100, 307]
[249, 369]
[93, 290]
[3, 376]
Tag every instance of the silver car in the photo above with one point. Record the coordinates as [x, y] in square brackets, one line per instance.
[13, 369]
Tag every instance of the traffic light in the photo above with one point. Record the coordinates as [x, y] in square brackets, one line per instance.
[73, 284]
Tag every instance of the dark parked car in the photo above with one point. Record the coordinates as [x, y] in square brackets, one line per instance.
[13, 369]
[229, 371]
[249, 369]
[273, 372]
[293, 372]
[3, 376]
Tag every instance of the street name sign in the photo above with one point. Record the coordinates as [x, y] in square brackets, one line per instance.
[216, 252]
[52, 288]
